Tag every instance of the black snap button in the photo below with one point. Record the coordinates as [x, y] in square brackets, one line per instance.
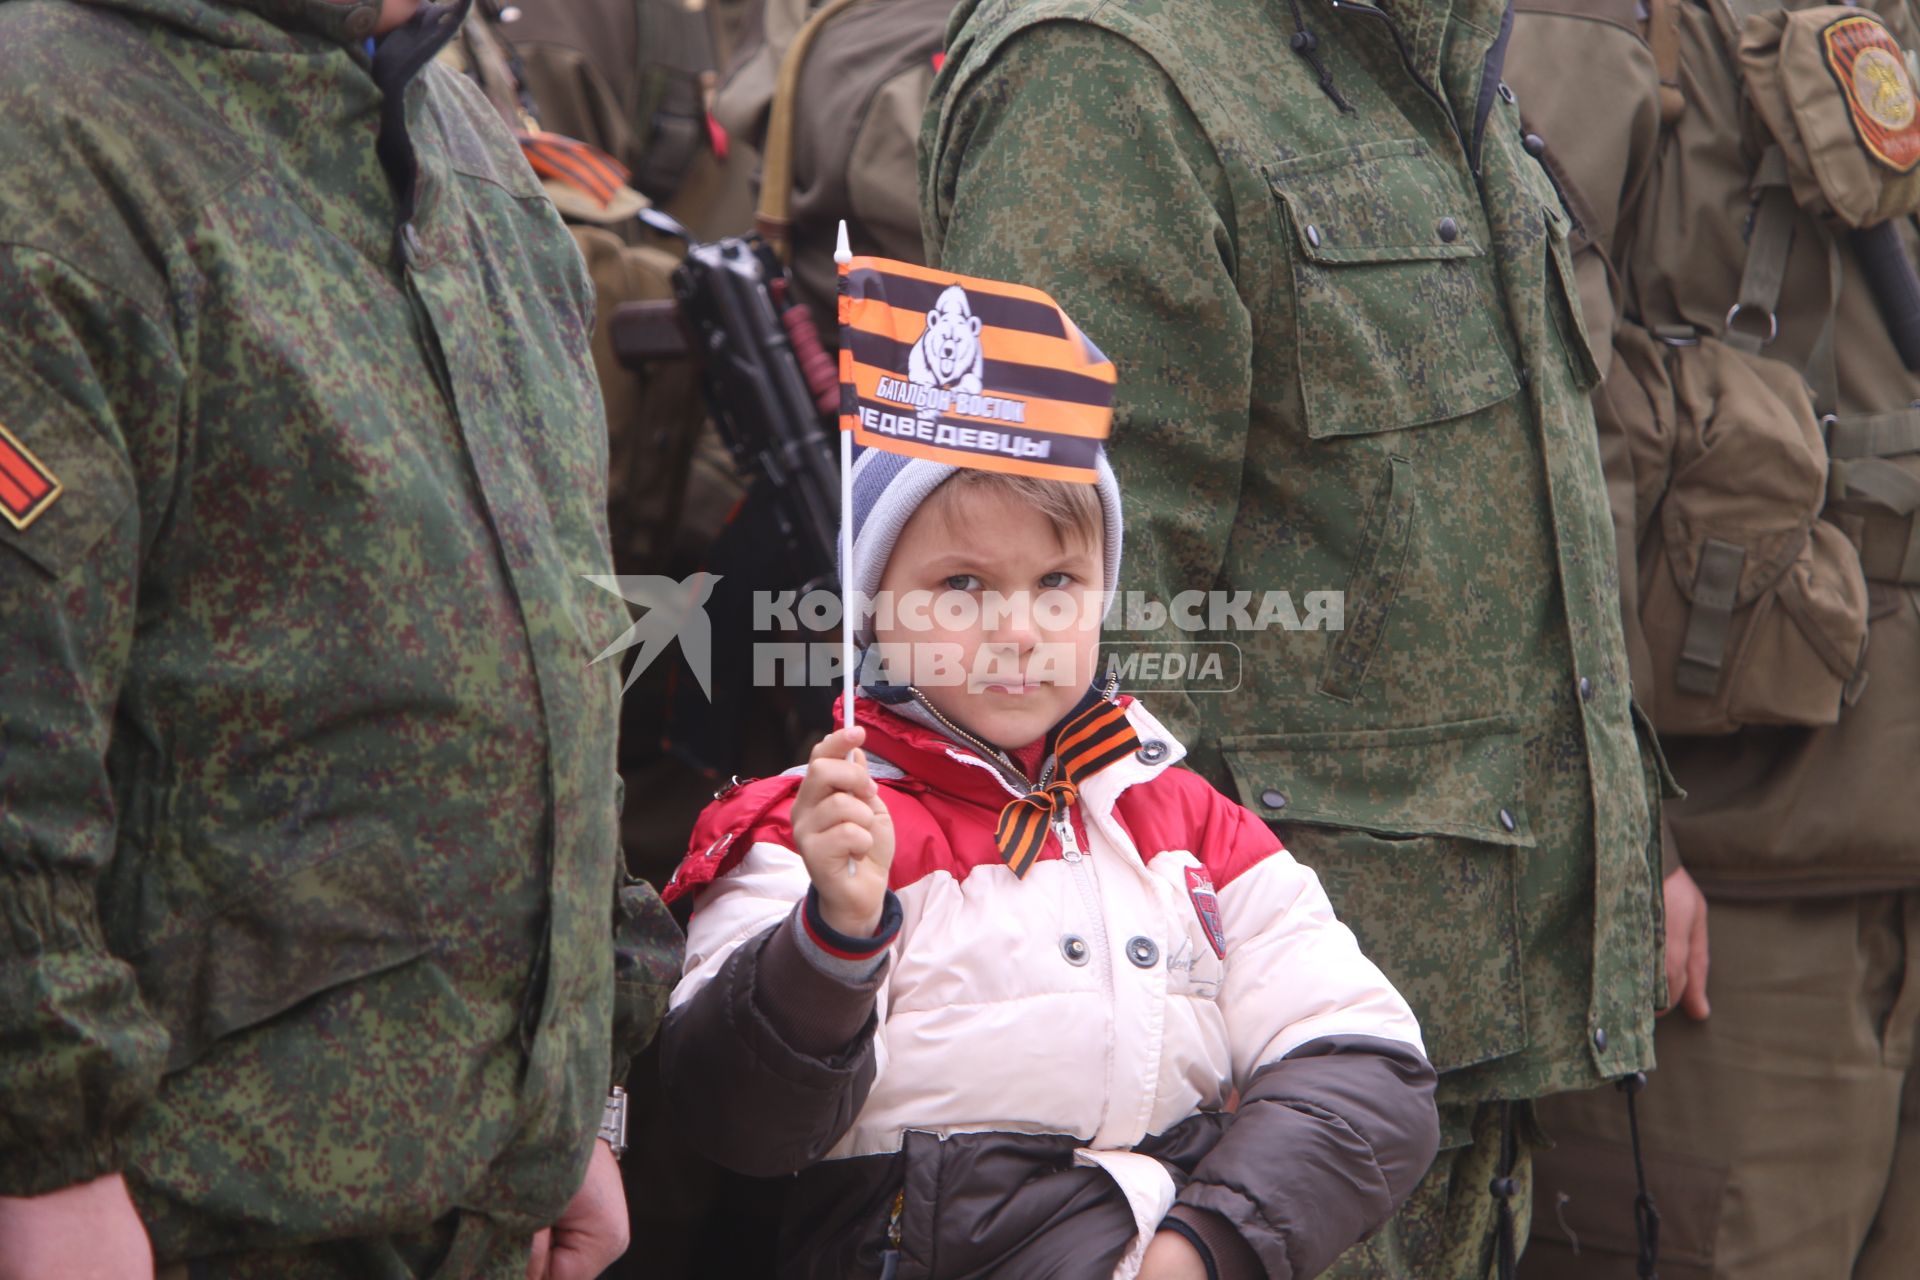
[1152, 751]
[361, 21]
[1586, 689]
[1449, 230]
[1075, 949]
[1273, 799]
[1506, 93]
[1534, 144]
[1143, 952]
[1600, 1039]
[1503, 1188]
[1506, 820]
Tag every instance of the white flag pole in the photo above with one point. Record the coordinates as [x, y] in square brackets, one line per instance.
[842, 255]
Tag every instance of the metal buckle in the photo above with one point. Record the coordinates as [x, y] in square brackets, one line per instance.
[613, 1122]
[1773, 323]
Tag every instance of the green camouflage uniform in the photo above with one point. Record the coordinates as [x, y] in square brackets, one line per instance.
[1351, 358]
[309, 875]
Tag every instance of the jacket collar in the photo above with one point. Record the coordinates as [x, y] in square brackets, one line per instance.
[937, 761]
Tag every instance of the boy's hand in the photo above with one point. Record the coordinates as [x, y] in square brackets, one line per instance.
[1170, 1256]
[838, 815]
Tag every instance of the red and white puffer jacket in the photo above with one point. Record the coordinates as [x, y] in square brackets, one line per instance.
[1162, 954]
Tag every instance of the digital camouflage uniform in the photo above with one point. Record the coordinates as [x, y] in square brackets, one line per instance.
[1782, 1134]
[309, 875]
[1350, 357]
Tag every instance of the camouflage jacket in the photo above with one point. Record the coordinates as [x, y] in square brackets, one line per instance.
[1340, 305]
[309, 880]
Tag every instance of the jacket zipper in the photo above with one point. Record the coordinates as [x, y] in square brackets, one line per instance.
[985, 752]
[1089, 885]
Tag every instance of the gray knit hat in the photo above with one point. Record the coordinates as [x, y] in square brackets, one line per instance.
[889, 487]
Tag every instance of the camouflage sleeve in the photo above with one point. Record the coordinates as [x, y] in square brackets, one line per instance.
[78, 1053]
[647, 951]
[1067, 160]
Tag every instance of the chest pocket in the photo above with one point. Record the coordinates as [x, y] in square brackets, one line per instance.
[1395, 317]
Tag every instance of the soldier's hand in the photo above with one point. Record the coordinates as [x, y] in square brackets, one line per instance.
[592, 1230]
[86, 1232]
[1686, 946]
[838, 816]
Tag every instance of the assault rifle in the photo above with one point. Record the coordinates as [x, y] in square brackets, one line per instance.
[771, 387]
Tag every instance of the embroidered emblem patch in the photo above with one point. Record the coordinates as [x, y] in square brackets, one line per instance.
[27, 488]
[1207, 906]
[1872, 72]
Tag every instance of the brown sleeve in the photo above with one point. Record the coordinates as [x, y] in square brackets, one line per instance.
[769, 1062]
[1326, 1144]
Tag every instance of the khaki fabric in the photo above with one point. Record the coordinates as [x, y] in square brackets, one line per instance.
[862, 93]
[1782, 1135]
[1446, 1229]
[1784, 810]
[1754, 610]
[1792, 86]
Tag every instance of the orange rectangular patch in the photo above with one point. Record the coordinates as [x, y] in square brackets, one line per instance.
[27, 487]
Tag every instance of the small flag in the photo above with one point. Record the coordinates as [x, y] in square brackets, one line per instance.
[27, 487]
[1088, 743]
[974, 373]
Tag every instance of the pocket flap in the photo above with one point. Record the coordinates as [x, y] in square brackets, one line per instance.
[1354, 206]
[1461, 779]
[1395, 320]
[346, 915]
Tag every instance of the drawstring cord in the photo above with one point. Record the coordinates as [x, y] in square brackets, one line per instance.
[1307, 45]
[1646, 1217]
[1503, 1188]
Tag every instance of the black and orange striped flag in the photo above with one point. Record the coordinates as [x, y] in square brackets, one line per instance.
[1088, 743]
[974, 373]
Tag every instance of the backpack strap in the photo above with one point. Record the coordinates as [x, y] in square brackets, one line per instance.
[1662, 32]
[774, 218]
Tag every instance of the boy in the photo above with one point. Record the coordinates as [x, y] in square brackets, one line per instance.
[1009, 992]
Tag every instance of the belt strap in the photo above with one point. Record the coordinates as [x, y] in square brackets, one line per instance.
[1716, 584]
[1874, 435]
[1663, 41]
[1890, 549]
[1768, 245]
[1876, 480]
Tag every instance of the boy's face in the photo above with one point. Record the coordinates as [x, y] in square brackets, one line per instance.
[993, 617]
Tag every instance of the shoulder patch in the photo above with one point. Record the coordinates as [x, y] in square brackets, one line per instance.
[27, 486]
[1872, 72]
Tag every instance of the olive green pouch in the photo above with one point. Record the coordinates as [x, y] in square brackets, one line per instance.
[1835, 87]
[1754, 609]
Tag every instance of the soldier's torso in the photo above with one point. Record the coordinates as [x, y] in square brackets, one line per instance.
[1418, 438]
[362, 763]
